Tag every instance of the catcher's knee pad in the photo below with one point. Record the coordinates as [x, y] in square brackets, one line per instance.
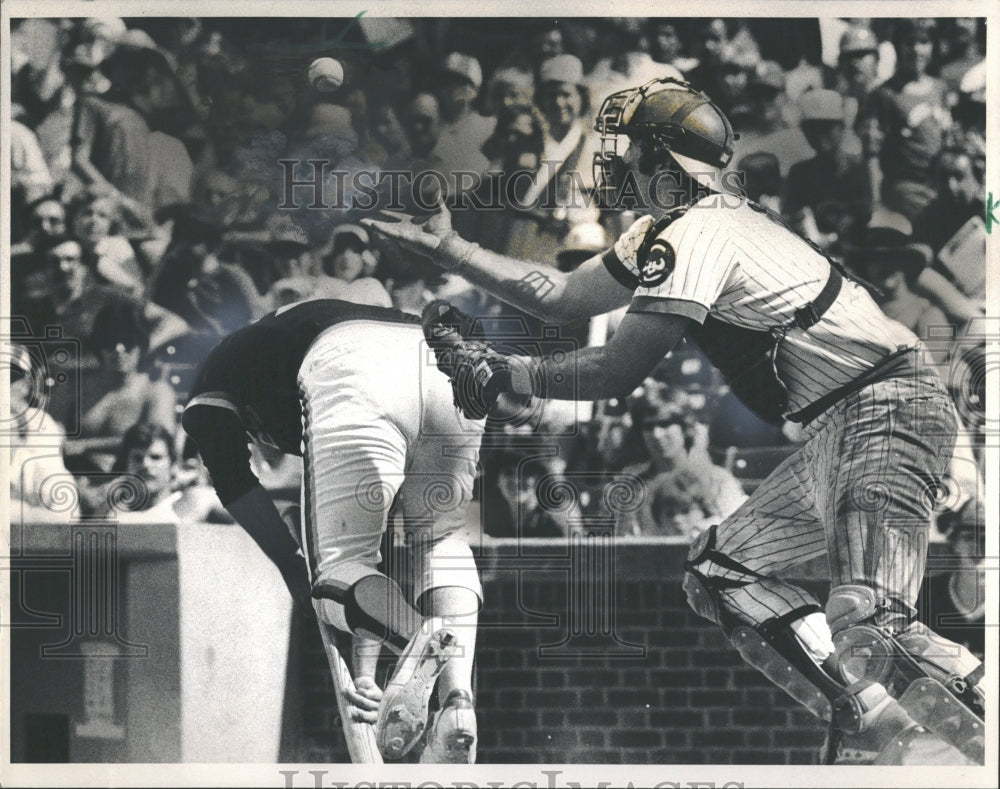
[700, 590]
[870, 644]
[864, 646]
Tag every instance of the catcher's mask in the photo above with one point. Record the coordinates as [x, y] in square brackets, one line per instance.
[674, 122]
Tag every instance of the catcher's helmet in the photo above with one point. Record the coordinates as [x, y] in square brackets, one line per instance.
[671, 118]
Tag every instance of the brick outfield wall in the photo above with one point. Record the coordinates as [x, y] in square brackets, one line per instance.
[658, 686]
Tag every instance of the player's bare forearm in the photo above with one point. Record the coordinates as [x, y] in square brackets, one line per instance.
[588, 374]
[615, 369]
[536, 288]
[539, 289]
[533, 287]
[365, 656]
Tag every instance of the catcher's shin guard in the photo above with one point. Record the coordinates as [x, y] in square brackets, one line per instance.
[860, 713]
[862, 716]
[937, 681]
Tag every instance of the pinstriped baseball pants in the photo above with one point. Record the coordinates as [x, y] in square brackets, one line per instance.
[379, 422]
[861, 489]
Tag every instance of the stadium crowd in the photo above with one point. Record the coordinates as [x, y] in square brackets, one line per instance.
[174, 179]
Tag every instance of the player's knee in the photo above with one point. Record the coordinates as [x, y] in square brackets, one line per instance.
[702, 594]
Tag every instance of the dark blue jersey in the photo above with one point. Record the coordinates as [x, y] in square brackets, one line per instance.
[248, 385]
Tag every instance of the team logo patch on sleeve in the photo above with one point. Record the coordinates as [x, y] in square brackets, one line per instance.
[657, 264]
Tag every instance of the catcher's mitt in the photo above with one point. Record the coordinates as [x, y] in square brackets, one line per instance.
[478, 373]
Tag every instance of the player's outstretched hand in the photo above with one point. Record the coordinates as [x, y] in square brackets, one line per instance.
[422, 236]
[364, 699]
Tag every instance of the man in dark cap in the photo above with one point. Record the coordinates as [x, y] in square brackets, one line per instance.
[826, 195]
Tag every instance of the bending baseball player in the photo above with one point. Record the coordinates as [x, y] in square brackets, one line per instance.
[348, 387]
[797, 339]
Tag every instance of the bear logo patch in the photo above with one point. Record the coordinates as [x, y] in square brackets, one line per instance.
[657, 265]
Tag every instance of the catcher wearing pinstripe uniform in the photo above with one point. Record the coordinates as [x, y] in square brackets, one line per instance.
[346, 386]
[796, 338]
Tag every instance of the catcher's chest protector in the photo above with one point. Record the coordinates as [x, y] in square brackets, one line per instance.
[743, 356]
[746, 360]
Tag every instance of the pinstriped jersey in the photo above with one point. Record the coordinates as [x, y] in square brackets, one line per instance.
[732, 260]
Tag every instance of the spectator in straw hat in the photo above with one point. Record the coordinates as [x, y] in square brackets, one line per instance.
[826, 195]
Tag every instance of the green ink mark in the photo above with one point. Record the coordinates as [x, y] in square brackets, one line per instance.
[991, 207]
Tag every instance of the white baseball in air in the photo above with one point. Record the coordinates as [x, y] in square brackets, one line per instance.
[326, 74]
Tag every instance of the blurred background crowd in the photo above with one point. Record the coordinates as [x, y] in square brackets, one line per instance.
[151, 216]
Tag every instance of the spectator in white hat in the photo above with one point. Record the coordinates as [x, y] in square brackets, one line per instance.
[857, 69]
[463, 130]
[828, 194]
[553, 200]
[564, 100]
